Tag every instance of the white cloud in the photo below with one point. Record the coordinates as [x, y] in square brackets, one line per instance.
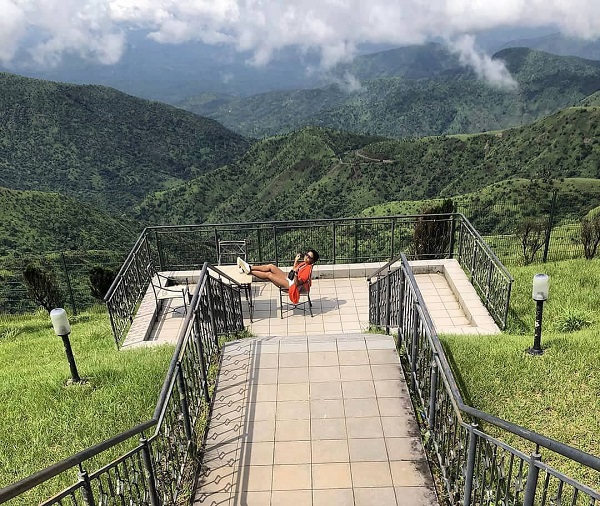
[97, 28]
[493, 71]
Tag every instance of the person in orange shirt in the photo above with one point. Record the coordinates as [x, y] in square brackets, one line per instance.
[301, 278]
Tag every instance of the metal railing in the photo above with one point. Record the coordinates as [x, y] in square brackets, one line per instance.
[474, 467]
[157, 468]
[347, 240]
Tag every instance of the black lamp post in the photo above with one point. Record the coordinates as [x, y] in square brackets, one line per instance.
[61, 325]
[541, 285]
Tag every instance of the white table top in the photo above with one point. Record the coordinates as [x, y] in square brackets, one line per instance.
[234, 273]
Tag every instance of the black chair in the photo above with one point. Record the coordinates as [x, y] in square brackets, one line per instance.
[166, 288]
[230, 250]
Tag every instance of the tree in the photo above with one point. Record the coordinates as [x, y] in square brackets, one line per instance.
[431, 235]
[42, 287]
[590, 234]
[100, 281]
[533, 236]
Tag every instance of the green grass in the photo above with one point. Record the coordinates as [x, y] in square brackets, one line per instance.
[558, 393]
[43, 420]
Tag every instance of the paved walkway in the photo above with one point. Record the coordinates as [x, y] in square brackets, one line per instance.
[313, 420]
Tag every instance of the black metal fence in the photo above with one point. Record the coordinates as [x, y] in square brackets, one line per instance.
[71, 270]
[353, 240]
[161, 462]
[474, 467]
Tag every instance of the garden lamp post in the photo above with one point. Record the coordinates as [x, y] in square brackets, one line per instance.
[541, 284]
[61, 325]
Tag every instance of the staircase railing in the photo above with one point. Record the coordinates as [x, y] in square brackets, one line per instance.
[158, 465]
[474, 467]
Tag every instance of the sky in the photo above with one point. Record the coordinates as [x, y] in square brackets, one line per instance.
[49, 30]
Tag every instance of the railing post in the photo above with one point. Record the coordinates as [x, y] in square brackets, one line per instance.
[161, 259]
[224, 316]
[185, 409]
[334, 241]
[150, 477]
[259, 237]
[86, 489]
[414, 348]
[532, 479]
[393, 232]
[200, 347]
[211, 311]
[356, 241]
[388, 296]
[488, 281]
[276, 260]
[452, 232]
[377, 299]
[470, 465]
[69, 287]
[216, 235]
[432, 392]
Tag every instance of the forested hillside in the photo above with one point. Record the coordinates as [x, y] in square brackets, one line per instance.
[102, 146]
[38, 221]
[310, 173]
[415, 92]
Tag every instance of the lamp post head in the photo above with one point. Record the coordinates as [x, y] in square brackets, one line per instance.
[60, 322]
[541, 286]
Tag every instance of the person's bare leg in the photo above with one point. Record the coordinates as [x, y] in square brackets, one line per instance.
[270, 273]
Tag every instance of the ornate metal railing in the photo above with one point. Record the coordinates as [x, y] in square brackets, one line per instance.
[474, 467]
[486, 273]
[159, 463]
[346, 240]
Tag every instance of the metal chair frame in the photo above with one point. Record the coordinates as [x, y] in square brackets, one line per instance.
[232, 249]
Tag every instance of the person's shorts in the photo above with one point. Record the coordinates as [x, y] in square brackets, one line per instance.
[290, 282]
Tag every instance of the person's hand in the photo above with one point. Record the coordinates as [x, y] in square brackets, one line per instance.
[298, 257]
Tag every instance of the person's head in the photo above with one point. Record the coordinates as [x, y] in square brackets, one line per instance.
[311, 256]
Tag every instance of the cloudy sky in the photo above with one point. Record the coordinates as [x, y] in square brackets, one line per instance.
[47, 30]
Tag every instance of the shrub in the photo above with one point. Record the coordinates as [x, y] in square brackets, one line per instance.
[432, 234]
[590, 235]
[42, 287]
[100, 281]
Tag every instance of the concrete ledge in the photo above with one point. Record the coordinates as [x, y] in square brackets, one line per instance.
[462, 289]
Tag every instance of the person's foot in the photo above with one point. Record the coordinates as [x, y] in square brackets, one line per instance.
[242, 264]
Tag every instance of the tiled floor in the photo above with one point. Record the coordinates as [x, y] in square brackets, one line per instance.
[339, 305]
[318, 420]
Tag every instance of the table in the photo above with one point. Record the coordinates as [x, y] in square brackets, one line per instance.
[245, 281]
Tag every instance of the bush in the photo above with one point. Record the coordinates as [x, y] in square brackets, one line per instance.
[533, 237]
[590, 235]
[100, 281]
[42, 287]
[432, 234]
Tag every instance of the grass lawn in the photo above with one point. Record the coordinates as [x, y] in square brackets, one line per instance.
[556, 394]
[44, 421]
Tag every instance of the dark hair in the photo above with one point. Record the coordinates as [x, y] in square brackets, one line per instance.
[315, 254]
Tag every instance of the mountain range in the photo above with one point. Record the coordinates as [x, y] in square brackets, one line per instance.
[411, 92]
[87, 166]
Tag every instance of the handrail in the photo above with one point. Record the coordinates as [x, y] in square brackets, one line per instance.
[79, 458]
[386, 266]
[31, 481]
[436, 354]
[125, 264]
[487, 248]
[551, 444]
[180, 343]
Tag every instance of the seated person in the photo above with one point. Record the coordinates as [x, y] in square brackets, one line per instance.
[301, 280]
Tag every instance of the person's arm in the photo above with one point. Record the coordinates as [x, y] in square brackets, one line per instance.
[297, 260]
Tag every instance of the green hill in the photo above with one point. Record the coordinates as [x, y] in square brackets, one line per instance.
[102, 146]
[415, 92]
[500, 207]
[35, 221]
[312, 173]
